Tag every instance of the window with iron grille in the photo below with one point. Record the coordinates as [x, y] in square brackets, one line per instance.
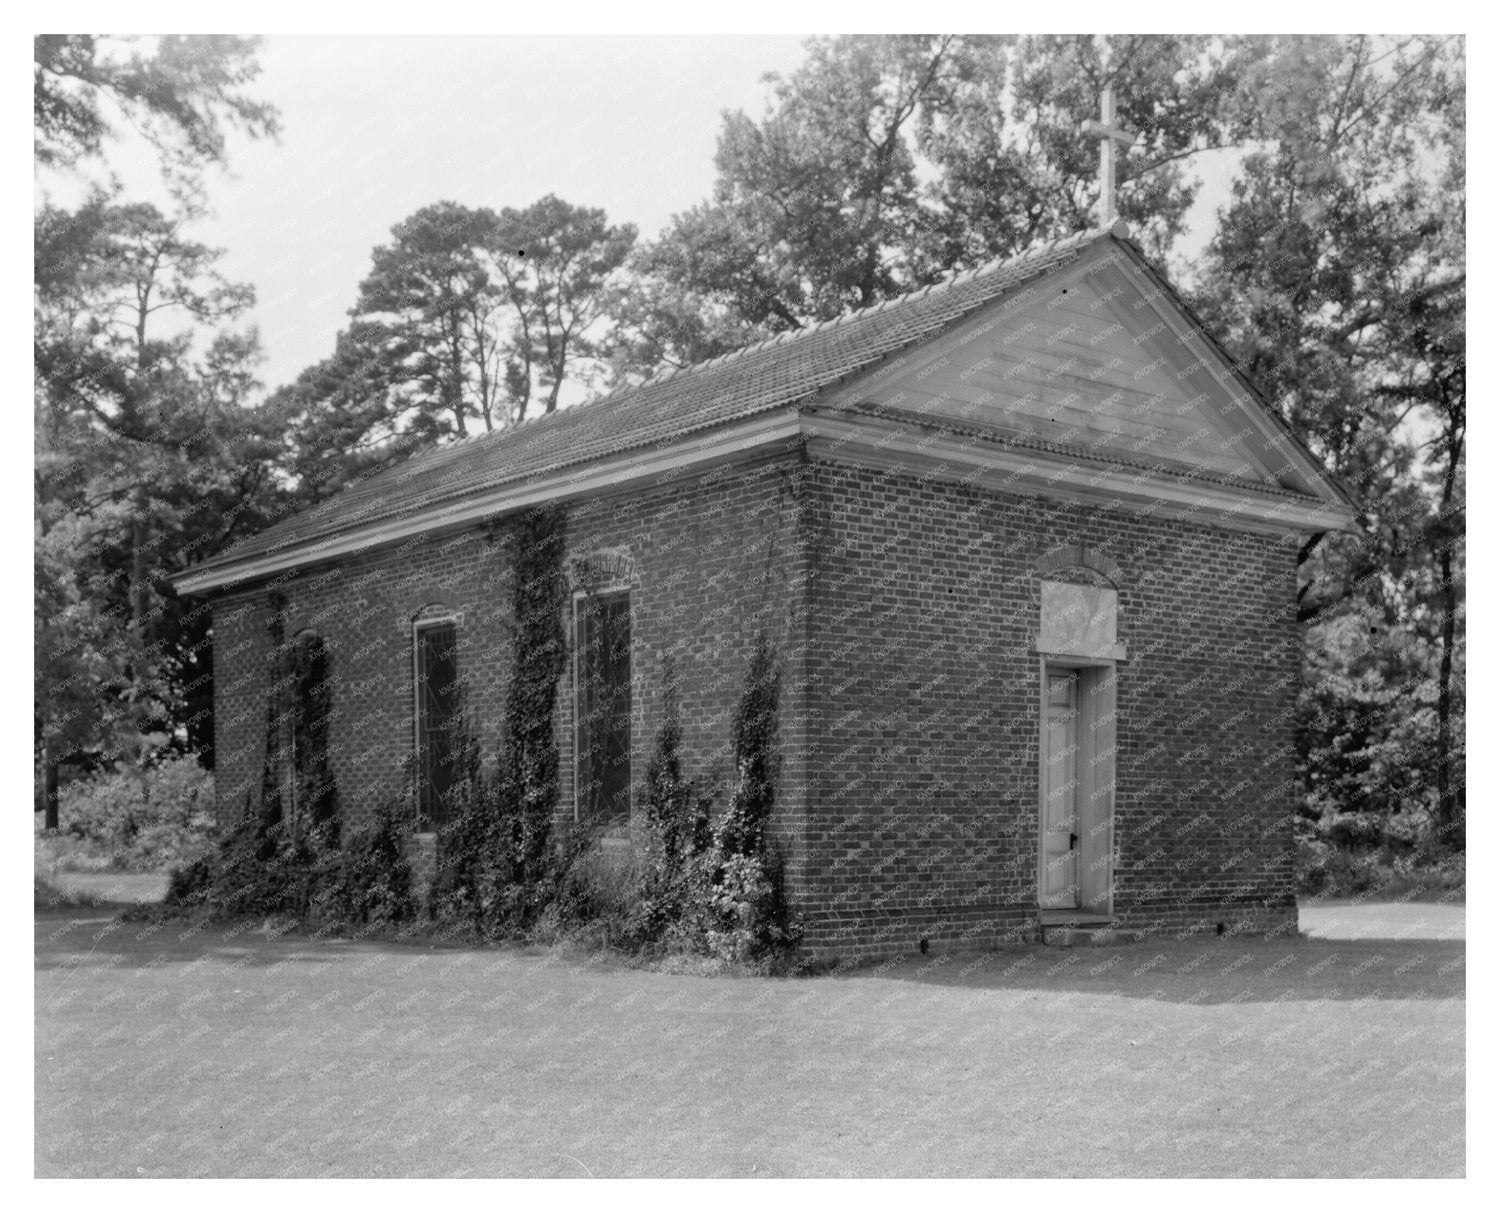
[602, 708]
[437, 711]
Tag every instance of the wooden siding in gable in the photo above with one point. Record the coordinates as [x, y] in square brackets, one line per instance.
[1089, 363]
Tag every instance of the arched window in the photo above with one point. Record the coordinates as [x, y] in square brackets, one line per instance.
[601, 582]
[314, 794]
[601, 673]
[437, 712]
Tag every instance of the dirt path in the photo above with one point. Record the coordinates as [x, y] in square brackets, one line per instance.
[121, 888]
[1382, 920]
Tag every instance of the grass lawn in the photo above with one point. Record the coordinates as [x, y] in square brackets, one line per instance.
[161, 1052]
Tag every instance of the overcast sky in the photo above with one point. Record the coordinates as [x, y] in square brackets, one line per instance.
[376, 127]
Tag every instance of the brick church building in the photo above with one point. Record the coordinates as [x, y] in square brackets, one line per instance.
[1025, 542]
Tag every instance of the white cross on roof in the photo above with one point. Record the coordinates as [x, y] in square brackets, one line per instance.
[1109, 133]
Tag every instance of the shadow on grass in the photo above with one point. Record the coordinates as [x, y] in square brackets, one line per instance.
[1191, 971]
[101, 936]
[1208, 971]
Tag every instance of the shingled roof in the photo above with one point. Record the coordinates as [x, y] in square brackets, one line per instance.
[787, 370]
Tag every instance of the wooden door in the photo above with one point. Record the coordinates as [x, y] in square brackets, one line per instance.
[1096, 789]
[1060, 800]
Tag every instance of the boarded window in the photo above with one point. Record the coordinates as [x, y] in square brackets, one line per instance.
[437, 712]
[603, 709]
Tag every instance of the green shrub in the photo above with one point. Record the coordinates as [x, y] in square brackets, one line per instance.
[747, 884]
[139, 819]
[671, 897]
[263, 868]
[267, 862]
[190, 886]
[717, 891]
[498, 868]
[65, 853]
[477, 879]
[375, 881]
[757, 759]
[1327, 868]
[674, 807]
[599, 887]
[739, 896]
[250, 876]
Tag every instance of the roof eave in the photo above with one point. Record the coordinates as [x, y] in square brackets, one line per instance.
[734, 443]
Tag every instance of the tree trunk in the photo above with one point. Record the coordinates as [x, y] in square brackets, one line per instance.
[49, 790]
[138, 605]
[1447, 808]
[1450, 808]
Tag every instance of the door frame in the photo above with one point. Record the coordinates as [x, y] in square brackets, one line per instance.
[1096, 774]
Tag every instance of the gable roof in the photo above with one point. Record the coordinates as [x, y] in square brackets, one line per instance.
[788, 372]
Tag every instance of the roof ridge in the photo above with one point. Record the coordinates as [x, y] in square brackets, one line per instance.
[1032, 252]
[954, 278]
[668, 406]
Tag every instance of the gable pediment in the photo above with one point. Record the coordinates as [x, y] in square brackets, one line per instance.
[1098, 359]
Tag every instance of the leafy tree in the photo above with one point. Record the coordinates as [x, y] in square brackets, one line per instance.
[820, 205]
[466, 319]
[428, 310]
[666, 321]
[1337, 276]
[145, 459]
[1013, 166]
[337, 418]
[816, 207]
[84, 701]
[560, 266]
[181, 94]
[1367, 725]
[145, 434]
[138, 387]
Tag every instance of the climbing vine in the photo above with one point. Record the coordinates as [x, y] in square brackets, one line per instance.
[670, 897]
[275, 857]
[718, 890]
[496, 865]
[531, 704]
[748, 889]
[692, 881]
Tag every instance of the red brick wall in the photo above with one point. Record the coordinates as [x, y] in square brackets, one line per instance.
[904, 611]
[924, 799]
[716, 558]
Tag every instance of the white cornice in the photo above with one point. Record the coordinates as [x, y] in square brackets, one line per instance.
[888, 445]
